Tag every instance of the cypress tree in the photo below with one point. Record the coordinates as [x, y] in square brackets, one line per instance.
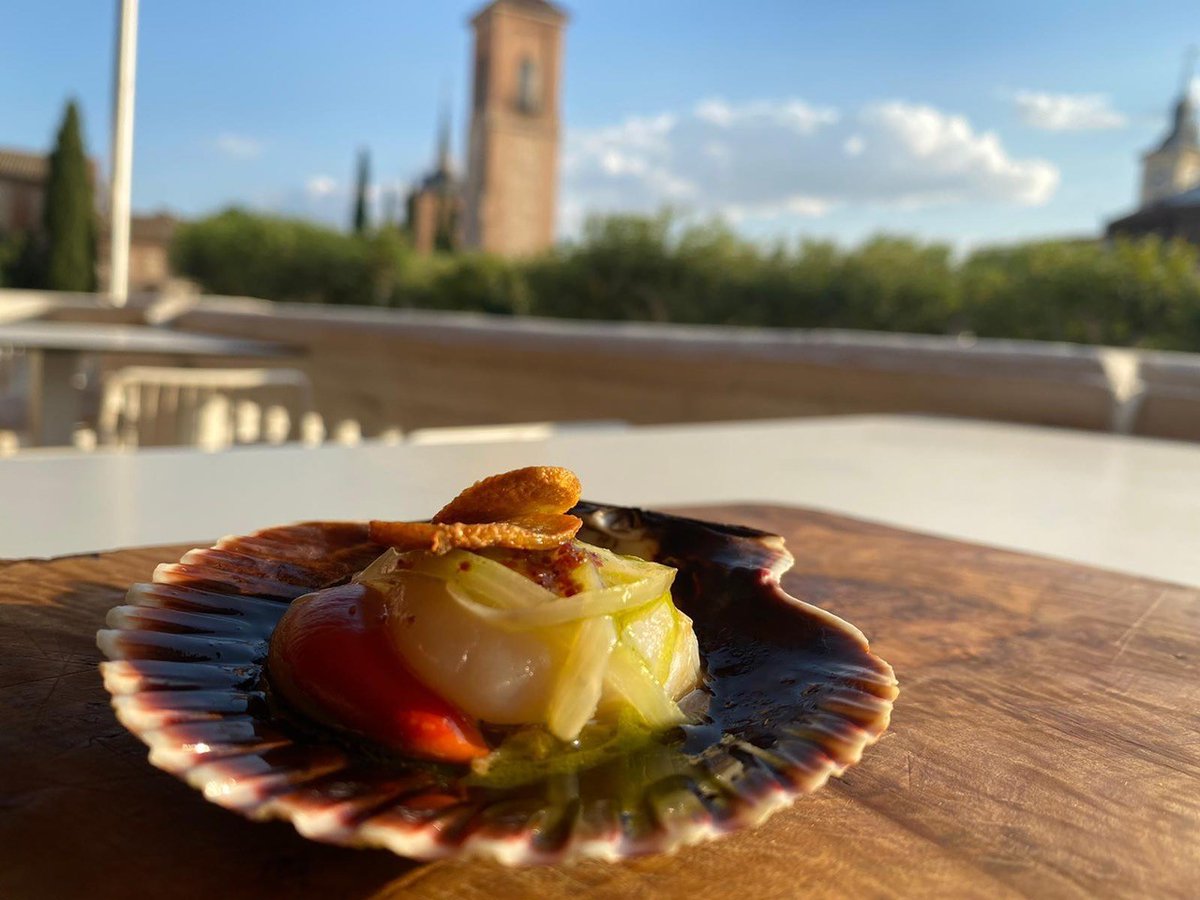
[361, 216]
[68, 213]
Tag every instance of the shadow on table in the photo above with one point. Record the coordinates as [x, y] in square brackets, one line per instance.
[82, 812]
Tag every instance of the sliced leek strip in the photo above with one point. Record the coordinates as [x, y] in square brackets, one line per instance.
[581, 681]
[604, 602]
[630, 678]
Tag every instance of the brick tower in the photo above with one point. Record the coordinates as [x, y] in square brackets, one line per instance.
[512, 168]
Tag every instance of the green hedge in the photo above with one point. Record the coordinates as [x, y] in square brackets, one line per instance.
[1136, 293]
[238, 253]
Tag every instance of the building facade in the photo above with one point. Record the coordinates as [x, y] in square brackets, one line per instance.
[435, 206]
[1174, 165]
[23, 178]
[149, 252]
[22, 186]
[1170, 184]
[511, 191]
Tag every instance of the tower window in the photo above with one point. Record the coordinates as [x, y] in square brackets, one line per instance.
[481, 78]
[529, 89]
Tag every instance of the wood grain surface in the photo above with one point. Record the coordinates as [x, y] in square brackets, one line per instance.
[1046, 742]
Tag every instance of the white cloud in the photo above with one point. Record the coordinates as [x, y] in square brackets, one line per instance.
[799, 205]
[323, 198]
[1067, 112]
[793, 114]
[940, 158]
[319, 186]
[787, 158]
[238, 146]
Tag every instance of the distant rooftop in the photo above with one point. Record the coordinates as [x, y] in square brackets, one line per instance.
[31, 167]
[537, 7]
[1184, 132]
[1187, 198]
[20, 165]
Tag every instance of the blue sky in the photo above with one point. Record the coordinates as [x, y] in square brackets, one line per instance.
[965, 122]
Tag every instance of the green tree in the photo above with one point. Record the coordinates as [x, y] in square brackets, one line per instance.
[69, 215]
[12, 249]
[240, 253]
[897, 284]
[1140, 293]
[623, 268]
[469, 282]
[445, 238]
[362, 187]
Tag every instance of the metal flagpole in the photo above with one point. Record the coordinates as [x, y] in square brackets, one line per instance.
[122, 154]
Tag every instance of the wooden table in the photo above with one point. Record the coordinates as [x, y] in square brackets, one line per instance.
[1045, 743]
[56, 349]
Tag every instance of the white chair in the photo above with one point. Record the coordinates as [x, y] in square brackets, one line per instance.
[207, 408]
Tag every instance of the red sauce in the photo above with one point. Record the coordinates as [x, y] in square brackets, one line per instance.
[552, 569]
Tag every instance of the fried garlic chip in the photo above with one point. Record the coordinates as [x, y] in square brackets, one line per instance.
[535, 490]
[521, 510]
[538, 531]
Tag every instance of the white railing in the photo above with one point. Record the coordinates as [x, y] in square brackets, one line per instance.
[385, 372]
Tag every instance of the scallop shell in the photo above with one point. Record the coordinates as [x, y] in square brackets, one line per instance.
[794, 696]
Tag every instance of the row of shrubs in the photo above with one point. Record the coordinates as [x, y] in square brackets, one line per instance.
[1138, 293]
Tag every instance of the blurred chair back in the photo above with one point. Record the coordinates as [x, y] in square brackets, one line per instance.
[14, 376]
[14, 397]
[146, 406]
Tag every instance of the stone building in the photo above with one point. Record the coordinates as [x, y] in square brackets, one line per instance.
[1174, 217]
[435, 205]
[1174, 165]
[511, 190]
[22, 191]
[22, 184]
[149, 252]
[1170, 186]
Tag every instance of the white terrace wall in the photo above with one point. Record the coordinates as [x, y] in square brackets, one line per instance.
[410, 369]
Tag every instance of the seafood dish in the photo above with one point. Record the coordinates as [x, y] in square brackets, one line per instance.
[525, 676]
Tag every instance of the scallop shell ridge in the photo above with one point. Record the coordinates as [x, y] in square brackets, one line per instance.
[795, 696]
